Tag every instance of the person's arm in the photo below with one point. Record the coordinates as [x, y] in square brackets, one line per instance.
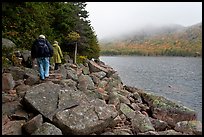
[60, 52]
[50, 48]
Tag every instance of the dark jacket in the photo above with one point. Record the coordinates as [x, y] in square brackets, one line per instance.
[34, 49]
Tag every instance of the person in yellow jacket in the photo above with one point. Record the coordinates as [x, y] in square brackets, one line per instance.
[57, 55]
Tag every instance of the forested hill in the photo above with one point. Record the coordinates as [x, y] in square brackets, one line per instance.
[172, 40]
[23, 22]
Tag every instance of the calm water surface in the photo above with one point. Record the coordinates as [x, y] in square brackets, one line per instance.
[176, 78]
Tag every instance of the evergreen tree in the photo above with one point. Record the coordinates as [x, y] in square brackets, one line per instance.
[22, 22]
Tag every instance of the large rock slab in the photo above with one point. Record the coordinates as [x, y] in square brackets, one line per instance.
[33, 124]
[10, 108]
[87, 118]
[26, 55]
[127, 111]
[20, 72]
[32, 79]
[114, 83]
[47, 99]
[167, 110]
[6, 43]
[47, 129]
[94, 67]
[70, 109]
[68, 72]
[189, 127]
[7, 81]
[141, 123]
[13, 127]
[169, 132]
[159, 125]
[85, 83]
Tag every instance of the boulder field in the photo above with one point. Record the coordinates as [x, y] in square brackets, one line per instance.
[87, 99]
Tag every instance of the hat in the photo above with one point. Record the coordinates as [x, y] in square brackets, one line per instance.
[55, 42]
[42, 36]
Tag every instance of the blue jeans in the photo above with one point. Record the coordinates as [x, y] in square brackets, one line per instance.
[44, 66]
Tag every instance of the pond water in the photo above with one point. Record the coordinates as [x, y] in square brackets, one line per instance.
[176, 78]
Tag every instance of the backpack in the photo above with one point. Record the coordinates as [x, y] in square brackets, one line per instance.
[42, 48]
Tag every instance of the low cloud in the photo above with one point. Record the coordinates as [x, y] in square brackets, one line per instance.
[111, 19]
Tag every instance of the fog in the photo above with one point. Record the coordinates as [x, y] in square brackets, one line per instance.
[111, 19]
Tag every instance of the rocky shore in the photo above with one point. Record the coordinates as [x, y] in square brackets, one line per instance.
[87, 99]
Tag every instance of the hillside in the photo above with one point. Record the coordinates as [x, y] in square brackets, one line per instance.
[171, 40]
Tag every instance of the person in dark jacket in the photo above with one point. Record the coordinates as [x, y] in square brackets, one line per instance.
[42, 50]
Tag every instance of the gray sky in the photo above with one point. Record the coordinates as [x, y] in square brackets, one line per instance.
[115, 18]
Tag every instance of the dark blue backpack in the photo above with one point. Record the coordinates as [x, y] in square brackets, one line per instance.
[43, 49]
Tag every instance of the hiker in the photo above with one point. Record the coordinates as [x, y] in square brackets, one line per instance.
[57, 55]
[42, 50]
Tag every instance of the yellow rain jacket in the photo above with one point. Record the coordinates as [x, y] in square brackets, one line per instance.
[57, 54]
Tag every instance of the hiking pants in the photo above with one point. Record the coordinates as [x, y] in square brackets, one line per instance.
[57, 66]
[44, 65]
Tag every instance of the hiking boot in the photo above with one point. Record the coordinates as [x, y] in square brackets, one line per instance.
[41, 80]
[46, 79]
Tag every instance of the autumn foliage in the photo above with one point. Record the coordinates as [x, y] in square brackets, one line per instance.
[187, 42]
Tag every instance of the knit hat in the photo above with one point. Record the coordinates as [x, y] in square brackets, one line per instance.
[55, 42]
[42, 36]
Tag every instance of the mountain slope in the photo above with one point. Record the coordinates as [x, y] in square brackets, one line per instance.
[170, 40]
